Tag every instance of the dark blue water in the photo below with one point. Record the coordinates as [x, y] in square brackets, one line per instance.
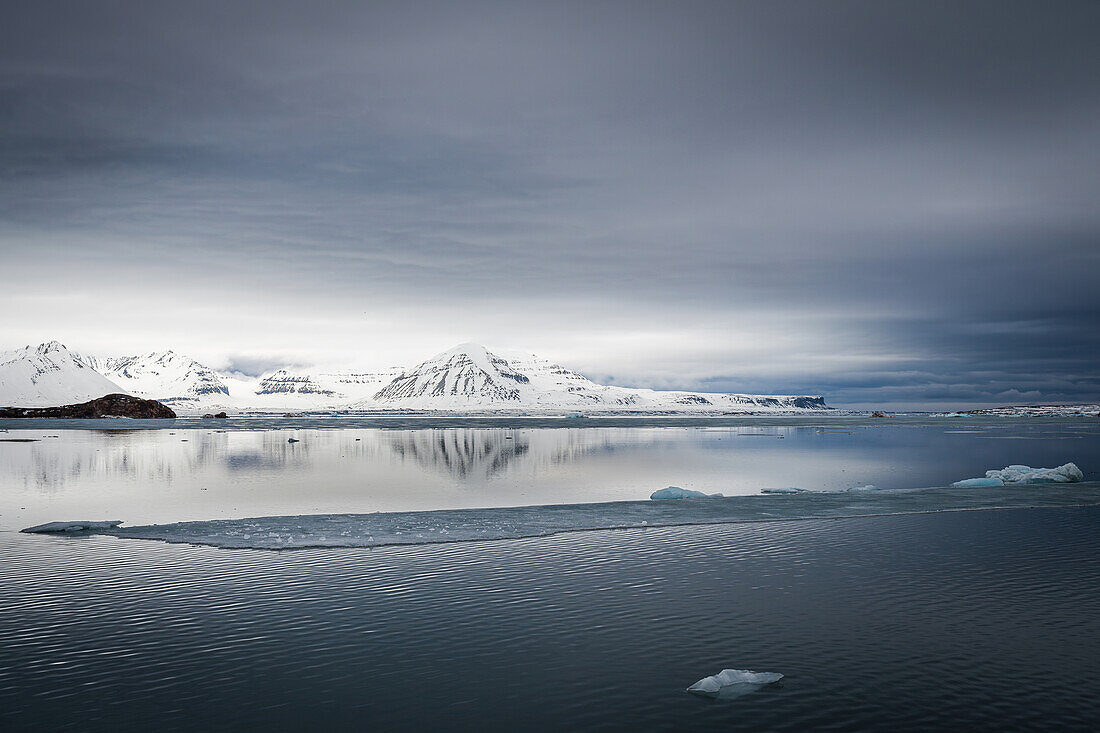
[972, 621]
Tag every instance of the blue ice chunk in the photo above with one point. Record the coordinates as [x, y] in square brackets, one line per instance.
[1067, 473]
[675, 492]
[79, 526]
[975, 482]
[731, 683]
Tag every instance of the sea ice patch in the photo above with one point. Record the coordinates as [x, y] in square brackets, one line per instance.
[733, 683]
[675, 492]
[82, 526]
[976, 482]
[506, 523]
[1067, 473]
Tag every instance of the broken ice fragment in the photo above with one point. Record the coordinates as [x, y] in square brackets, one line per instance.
[732, 683]
[1017, 474]
[675, 492]
[974, 482]
[50, 527]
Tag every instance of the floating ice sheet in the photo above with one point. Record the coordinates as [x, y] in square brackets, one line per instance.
[461, 525]
[732, 683]
[81, 526]
[971, 483]
[1064, 474]
[1067, 473]
[675, 492]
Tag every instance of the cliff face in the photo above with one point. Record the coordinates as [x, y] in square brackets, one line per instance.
[113, 405]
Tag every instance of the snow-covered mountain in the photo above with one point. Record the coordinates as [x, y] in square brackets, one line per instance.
[467, 378]
[283, 382]
[49, 375]
[467, 374]
[164, 376]
[337, 386]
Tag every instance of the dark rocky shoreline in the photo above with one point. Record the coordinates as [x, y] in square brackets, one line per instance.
[112, 405]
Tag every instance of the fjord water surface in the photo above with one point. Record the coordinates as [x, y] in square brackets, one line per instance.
[964, 621]
[982, 620]
[190, 473]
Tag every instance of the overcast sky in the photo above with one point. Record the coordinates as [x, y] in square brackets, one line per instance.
[888, 203]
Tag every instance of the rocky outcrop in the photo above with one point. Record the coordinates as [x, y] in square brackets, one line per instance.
[113, 405]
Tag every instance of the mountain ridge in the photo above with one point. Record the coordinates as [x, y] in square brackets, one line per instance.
[465, 378]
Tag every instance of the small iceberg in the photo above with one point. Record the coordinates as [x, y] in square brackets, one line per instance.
[733, 683]
[868, 487]
[675, 492]
[1067, 473]
[54, 527]
[790, 490]
[976, 482]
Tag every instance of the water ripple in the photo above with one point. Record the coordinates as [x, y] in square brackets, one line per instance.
[976, 621]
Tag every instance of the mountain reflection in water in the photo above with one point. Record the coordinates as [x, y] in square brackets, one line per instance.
[174, 475]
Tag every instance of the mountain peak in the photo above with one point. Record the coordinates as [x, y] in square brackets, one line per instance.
[50, 347]
[468, 348]
[48, 375]
[465, 375]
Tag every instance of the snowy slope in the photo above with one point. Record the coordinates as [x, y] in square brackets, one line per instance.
[165, 376]
[460, 377]
[556, 385]
[283, 382]
[469, 377]
[465, 378]
[49, 375]
[338, 386]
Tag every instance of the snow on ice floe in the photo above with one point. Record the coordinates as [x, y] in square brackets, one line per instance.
[82, 526]
[504, 523]
[675, 492]
[733, 683]
[1067, 473]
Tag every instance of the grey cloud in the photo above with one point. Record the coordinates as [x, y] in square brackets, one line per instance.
[914, 182]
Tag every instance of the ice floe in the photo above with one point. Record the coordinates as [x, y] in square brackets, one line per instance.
[733, 683]
[1067, 473]
[972, 483]
[790, 490]
[675, 492]
[466, 525]
[83, 526]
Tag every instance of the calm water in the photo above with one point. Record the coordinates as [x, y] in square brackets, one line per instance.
[973, 621]
[978, 621]
[188, 473]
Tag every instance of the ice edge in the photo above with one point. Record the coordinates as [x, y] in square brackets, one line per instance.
[449, 526]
